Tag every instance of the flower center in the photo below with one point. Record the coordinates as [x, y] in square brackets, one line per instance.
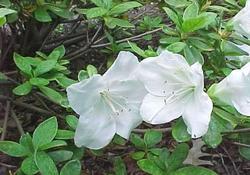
[116, 104]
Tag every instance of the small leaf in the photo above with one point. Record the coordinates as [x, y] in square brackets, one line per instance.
[230, 49]
[138, 155]
[64, 134]
[199, 22]
[150, 167]
[44, 67]
[39, 81]
[151, 138]
[72, 167]
[244, 151]
[45, 164]
[191, 170]
[82, 75]
[177, 157]
[60, 155]
[12, 148]
[54, 55]
[65, 81]
[45, 132]
[193, 55]
[176, 47]
[137, 49]
[137, 141]
[29, 166]
[3, 76]
[23, 89]
[52, 94]
[179, 131]
[123, 7]
[6, 11]
[22, 64]
[42, 15]
[113, 22]
[119, 166]
[96, 12]
[54, 144]
[191, 11]
[172, 15]
[91, 70]
[26, 142]
[72, 121]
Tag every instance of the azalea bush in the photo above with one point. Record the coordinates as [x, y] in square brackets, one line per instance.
[125, 87]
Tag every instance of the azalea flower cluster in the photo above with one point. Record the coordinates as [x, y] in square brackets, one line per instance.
[156, 90]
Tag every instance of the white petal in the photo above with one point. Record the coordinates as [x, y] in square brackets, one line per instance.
[164, 73]
[197, 76]
[85, 94]
[124, 66]
[246, 70]
[156, 110]
[241, 101]
[197, 115]
[128, 120]
[96, 128]
[132, 91]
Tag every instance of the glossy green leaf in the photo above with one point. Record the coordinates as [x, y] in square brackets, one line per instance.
[61, 155]
[119, 166]
[23, 89]
[72, 121]
[151, 138]
[123, 7]
[96, 12]
[39, 81]
[179, 131]
[52, 94]
[45, 132]
[12, 149]
[42, 15]
[176, 47]
[29, 166]
[192, 170]
[72, 167]
[54, 144]
[22, 64]
[44, 67]
[150, 167]
[45, 164]
[64, 134]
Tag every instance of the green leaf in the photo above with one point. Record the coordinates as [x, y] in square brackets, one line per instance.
[12, 149]
[29, 166]
[52, 94]
[22, 64]
[107, 4]
[151, 138]
[44, 67]
[62, 12]
[230, 49]
[199, 22]
[2, 21]
[65, 81]
[96, 12]
[172, 15]
[113, 22]
[45, 132]
[191, 11]
[26, 142]
[193, 55]
[3, 76]
[177, 157]
[72, 121]
[23, 89]
[137, 141]
[177, 3]
[192, 170]
[60, 155]
[5, 3]
[176, 47]
[61, 50]
[119, 166]
[39, 81]
[179, 131]
[91, 70]
[137, 49]
[213, 137]
[54, 144]
[150, 167]
[119, 140]
[6, 11]
[64, 134]
[169, 40]
[123, 7]
[54, 55]
[72, 167]
[42, 15]
[45, 164]
[82, 75]
[138, 155]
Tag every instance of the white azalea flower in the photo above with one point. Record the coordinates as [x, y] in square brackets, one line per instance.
[107, 104]
[175, 89]
[241, 21]
[244, 58]
[234, 90]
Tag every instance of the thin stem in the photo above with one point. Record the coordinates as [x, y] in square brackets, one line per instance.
[18, 123]
[6, 117]
[156, 129]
